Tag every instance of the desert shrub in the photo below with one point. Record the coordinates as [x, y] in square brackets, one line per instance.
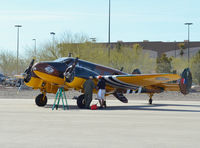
[195, 68]
[8, 63]
[163, 64]
[179, 64]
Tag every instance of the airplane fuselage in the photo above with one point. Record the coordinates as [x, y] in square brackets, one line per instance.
[50, 74]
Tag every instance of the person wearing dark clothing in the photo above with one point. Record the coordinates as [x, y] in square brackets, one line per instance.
[88, 91]
[101, 93]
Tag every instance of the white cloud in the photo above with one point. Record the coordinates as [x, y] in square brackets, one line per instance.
[29, 16]
[41, 15]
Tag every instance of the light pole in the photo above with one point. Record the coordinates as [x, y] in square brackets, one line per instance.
[109, 32]
[93, 40]
[188, 24]
[35, 52]
[18, 26]
[175, 48]
[53, 38]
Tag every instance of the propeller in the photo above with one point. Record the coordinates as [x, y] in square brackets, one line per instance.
[20, 87]
[68, 74]
[26, 76]
[27, 73]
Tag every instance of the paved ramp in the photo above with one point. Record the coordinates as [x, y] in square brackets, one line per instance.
[136, 124]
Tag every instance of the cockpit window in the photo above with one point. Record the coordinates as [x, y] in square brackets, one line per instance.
[60, 60]
[64, 60]
[68, 61]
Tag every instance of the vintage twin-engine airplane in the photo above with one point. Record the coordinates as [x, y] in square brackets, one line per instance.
[71, 73]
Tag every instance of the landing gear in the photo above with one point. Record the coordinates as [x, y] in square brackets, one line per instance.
[41, 100]
[150, 98]
[81, 101]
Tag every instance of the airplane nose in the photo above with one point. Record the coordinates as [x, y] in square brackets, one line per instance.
[47, 71]
[50, 68]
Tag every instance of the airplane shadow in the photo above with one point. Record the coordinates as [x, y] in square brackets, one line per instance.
[71, 107]
[145, 107]
[153, 108]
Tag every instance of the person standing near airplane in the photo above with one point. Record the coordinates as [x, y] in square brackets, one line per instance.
[88, 91]
[101, 93]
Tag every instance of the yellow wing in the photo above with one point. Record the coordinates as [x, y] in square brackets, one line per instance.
[144, 80]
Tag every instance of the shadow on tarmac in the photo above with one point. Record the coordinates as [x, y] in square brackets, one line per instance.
[146, 107]
[153, 108]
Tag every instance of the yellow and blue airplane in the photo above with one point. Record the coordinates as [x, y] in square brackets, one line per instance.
[71, 73]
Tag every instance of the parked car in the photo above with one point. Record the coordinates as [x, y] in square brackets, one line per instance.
[10, 81]
[2, 78]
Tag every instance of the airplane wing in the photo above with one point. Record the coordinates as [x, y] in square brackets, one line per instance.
[140, 80]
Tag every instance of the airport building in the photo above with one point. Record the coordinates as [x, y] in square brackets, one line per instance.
[157, 48]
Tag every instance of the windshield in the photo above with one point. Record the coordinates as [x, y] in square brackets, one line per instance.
[60, 60]
[64, 60]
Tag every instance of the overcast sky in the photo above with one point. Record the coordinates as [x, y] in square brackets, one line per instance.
[131, 20]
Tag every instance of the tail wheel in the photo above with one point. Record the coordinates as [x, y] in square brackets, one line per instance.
[81, 101]
[41, 100]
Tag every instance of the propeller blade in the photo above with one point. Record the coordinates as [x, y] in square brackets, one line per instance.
[69, 70]
[21, 85]
[27, 73]
[73, 66]
[19, 89]
[30, 66]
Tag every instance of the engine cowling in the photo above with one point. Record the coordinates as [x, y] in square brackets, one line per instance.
[79, 75]
[69, 72]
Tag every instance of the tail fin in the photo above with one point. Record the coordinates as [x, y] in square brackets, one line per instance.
[185, 81]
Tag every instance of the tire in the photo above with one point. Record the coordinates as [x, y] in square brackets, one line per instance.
[41, 100]
[81, 101]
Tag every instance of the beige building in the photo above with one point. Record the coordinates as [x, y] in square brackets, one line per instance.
[157, 48]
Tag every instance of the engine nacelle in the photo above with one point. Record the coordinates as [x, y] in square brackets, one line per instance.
[77, 77]
[69, 75]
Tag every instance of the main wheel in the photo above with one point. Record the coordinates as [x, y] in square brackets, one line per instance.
[41, 100]
[81, 101]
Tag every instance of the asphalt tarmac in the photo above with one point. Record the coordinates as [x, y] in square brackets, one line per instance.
[169, 124]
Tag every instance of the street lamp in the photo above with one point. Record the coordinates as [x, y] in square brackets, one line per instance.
[35, 52]
[18, 26]
[93, 39]
[188, 24]
[175, 47]
[109, 32]
[53, 38]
